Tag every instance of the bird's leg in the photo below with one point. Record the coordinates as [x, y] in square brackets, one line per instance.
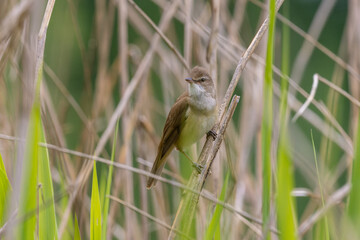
[212, 133]
[197, 166]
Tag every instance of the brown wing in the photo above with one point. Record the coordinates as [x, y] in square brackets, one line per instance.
[170, 135]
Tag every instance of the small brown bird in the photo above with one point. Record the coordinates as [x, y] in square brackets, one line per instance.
[193, 114]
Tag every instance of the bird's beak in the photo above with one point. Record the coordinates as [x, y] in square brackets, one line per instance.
[189, 80]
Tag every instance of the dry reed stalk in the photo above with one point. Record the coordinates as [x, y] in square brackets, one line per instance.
[10, 30]
[353, 45]
[188, 32]
[131, 226]
[124, 156]
[211, 58]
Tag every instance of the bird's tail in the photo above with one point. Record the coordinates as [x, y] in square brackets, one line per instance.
[156, 169]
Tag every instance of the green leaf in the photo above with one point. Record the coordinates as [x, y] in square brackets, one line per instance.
[266, 126]
[108, 185]
[285, 203]
[77, 235]
[286, 213]
[353, 210]
[95, 211]
[47, 219]
[5, 187]
[28, 194]
[322, 227]
[214, 225]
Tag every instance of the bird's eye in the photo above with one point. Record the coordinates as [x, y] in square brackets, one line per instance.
[202, 79]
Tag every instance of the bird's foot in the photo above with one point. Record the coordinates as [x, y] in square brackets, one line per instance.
[198, 167]
[212, 133]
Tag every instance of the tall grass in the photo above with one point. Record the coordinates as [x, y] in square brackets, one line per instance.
[323, 226]
[95, 211]
[352, 210]
[213, 230]
[105, 209]
[29, 184]
[5, 187]
[47, 216]
[286, 211]
[266, 126]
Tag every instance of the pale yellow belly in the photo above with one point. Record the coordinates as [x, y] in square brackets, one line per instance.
[195, 127]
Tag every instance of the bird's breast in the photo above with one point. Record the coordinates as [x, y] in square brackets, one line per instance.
[195, 126]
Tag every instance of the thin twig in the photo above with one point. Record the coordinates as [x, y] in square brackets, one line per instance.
[42, 36]
[188, 32]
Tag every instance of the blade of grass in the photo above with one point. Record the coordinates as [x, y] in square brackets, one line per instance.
[214, 225]
[353, 210]
[68, 233]
[47, 219]
[266, 126]
[285, 203]
[28, 195]
[108, 184]
[95, 211]
[323, 227]
[77, 235]
[217, 235]
[5, 187]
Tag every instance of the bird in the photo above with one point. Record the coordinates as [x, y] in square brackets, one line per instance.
[193, 114]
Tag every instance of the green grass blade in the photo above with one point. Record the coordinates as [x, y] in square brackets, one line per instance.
[214, 225]
[217, 235]
[5, 187]
[77, 235]
[266, 128]
[353, 210]
[285, 203]
[322, 226]
[95, 211]
[61, 205]
[28, 194]
[108, 184]
[286, 216]
[47, 219]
